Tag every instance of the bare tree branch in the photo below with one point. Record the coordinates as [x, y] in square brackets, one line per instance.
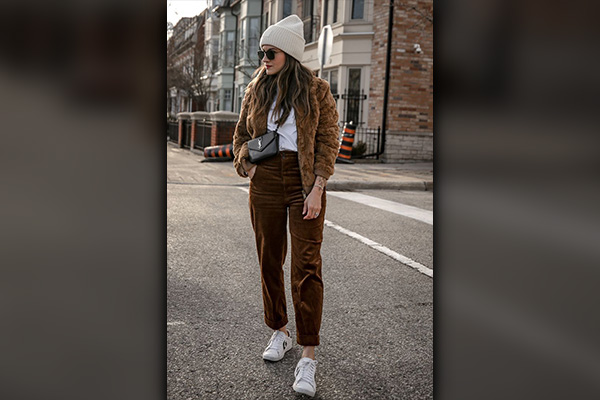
[426, 13]
[185, 72]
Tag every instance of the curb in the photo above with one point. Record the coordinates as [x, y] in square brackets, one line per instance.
[386, 185]
[350, 186]
[339, 184]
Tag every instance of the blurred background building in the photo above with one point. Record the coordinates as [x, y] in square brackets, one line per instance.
[211, 58]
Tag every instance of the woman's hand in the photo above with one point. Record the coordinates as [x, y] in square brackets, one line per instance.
[312, 204]
[251, 172]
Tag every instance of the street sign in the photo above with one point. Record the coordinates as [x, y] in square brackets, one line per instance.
[325, 45]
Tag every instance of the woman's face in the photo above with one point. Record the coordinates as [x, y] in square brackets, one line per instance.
[275, 65]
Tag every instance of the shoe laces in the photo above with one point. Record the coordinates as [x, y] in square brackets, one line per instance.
[275, 340]
[305, 371]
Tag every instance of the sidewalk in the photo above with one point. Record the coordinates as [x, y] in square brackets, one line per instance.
[399, 176]
[358, 176]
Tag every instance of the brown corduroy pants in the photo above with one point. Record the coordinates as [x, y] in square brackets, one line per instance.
[275, 196]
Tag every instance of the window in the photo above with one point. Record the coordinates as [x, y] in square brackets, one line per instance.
[229, 49]
[208, 28]
[331, 76]
[206, 60]
[227, 44]
[353, 96]
[249, 37]
[334, 82]
[266, 20]
[227, 99]
[287, 8]
[221, 50]
[354, 80]
[331, 11]
[309, 7]
[358, 9]
[215, 53]
[240, 94]
[253, 35]
[306, 8]
[216, 27]
[243, 41]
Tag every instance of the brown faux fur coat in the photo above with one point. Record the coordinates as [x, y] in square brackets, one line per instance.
[317, 135]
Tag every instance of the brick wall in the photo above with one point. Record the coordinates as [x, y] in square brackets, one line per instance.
[222, 132]
[410, 101]
[408, 147]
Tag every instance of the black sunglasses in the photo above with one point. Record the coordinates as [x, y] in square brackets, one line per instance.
[270, 54]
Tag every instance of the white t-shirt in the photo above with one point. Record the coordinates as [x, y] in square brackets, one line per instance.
[288, 134]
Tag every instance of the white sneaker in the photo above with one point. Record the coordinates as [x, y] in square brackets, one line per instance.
[305, 376]
[278, 345]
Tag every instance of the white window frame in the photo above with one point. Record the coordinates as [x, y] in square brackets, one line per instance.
[351, 8]
[279, 5]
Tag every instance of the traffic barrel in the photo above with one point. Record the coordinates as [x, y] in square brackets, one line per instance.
[223, 151]
[345, 152]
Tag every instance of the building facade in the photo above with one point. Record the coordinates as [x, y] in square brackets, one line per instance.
[409, 136]
[184, 58]
[356, 69]
[349, 67]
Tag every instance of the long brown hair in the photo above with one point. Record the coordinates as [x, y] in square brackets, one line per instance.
[293, 84]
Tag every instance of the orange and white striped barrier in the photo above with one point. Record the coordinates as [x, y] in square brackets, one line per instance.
[223, 151]
[345, 152]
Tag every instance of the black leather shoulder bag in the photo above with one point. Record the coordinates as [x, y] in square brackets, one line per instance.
[263, 147]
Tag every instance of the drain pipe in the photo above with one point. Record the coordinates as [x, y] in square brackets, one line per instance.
[262, 10]
[235, 48]
[386, 89]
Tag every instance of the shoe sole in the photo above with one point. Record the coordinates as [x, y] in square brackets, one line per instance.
[278, 359]
[304, 391]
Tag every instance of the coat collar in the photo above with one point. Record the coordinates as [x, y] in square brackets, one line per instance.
[260, 117]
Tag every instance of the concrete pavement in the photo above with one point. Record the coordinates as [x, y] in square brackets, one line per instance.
[359, 176]
[377, 325]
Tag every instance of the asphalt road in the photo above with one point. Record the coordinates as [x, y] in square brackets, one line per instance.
[377, 329]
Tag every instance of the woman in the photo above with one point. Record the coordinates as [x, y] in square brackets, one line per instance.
[286, 96]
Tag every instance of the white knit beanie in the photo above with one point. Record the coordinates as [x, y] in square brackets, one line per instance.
[287, 35]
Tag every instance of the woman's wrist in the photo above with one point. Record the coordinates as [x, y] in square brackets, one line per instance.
[320, 183]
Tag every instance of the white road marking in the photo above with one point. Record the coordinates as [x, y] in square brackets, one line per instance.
[397, 208]
[245, 189]
[381, 248]
[175, 323]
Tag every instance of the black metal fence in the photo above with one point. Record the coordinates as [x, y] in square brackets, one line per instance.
[186, 137]
[203, 132]
[367, 142]
[172, 131]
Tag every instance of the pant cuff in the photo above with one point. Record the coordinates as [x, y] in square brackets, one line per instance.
[307, 340]
[276, 324]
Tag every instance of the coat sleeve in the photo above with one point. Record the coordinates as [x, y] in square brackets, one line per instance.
[240, 139]
[326, 139]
